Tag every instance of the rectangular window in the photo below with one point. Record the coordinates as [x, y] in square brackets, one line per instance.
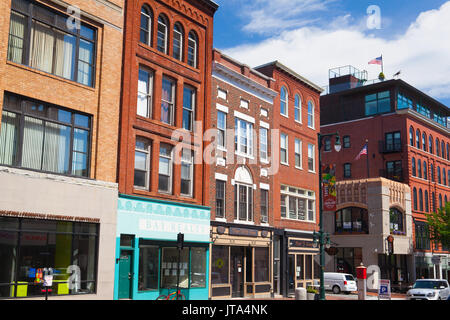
[142, 163]
[394, 170]
[188, 108]
[311, 158]
[221, 127]
[39, 136]
[378, 103]
[422, 236]
[327, 144]
[393, 142]
[220, 264]
[165, 168]
[244, 202]
[145, 92]
[346, 143]
[148, 268]
[347, 170]
[243, 137]
[187, 173]
[298, 154]
[43, 39]
[222, 94]
[29, 245]
[167, 101]
[404, 102]
[244, 104]
[264, 205]
[299, 203]
[284, 148]
[220, 198]
[263, 143]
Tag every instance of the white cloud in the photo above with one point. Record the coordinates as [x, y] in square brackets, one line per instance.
[422, 52]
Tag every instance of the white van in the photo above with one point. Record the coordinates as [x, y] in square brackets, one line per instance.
[339, 282]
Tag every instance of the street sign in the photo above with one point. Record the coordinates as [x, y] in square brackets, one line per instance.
[384, 290]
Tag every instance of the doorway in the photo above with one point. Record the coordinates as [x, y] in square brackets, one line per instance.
[291, 274]
[237, 272]
[125, 274]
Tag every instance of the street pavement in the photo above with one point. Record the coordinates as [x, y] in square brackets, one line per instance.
[370, 296]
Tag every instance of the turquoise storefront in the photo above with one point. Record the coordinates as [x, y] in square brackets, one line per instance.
[147, 258]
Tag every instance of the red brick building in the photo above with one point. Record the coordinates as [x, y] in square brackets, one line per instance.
[408, 141]
[241, 188]
[166, 91]
[295, 186]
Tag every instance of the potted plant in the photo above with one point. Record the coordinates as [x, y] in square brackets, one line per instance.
[381, 76]
[311, 292]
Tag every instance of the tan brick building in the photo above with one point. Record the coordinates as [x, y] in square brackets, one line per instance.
[59, 101]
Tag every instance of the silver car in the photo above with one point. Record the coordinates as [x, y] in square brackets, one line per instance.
[429, 289]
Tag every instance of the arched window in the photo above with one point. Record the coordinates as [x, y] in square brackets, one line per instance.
[298, 108]
[420, 200]
[396, 220]
[283, 101]
[424, 141]
[432, 172]
[440, 201]
[437, 147]
[310, 114]
[243, 195]
[430, 144]
[178, 36]
[418, 139]
[419, 168]
[443, 149]
[446, 200]
[415, 198]
[448, 151]
[448, 177]
[427, 209]
[425, 175]
[162, 34]
[413, 167]
[433, 202]
[439, 174]
[444, 177]
[192, 49]
[146, 26]
[411, 136]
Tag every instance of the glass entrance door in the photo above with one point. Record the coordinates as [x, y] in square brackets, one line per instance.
[291, 274]
[237, 272]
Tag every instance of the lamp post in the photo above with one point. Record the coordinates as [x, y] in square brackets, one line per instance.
[321, 235]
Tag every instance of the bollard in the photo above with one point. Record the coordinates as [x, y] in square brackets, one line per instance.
[361, 274]
[300, 294]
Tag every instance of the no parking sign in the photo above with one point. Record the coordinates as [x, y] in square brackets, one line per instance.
[384, 289]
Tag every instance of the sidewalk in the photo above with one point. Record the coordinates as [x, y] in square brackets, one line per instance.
[370, 296]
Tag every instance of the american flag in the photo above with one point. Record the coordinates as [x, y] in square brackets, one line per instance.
[363, 151]
[378, 60]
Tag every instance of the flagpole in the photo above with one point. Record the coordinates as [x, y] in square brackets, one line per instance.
[368, 170]
[382, 64]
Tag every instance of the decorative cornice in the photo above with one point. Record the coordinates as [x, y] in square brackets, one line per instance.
[32, 215]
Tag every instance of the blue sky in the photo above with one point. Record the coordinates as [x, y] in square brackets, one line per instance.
[301, 33]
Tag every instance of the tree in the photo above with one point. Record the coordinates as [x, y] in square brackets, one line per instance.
[439, 223]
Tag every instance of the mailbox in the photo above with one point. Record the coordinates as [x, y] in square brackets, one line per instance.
[361, 272]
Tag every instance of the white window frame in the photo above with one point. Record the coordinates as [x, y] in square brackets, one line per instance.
[308, 196]
[190, 162]
[148, 95]
[149, 16]
[285, 147]
[171, 103]
[286, 102]
[223, 130]
[170, 158]
[222, 94]
[244, 104]
[313, 157]
[193, 104]
[249, 188]
[311, 115]
[162, 24]
[298, 107]
[147, 152]
[180, 35]
[264, 144]
[224, 198]
[298, 152]
[192, 40]
[239, 148]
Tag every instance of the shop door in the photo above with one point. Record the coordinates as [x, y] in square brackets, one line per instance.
[125, 274]
[237, 272]
[291, 274]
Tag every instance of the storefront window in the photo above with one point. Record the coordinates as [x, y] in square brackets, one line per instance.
[27, 246]
[300, 267]
[198, 267]
[262, 264]
[219, 264]
[308, 267]
[148, 268]
[169, 268]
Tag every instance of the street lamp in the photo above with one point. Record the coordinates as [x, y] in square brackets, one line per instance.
[320, 236]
